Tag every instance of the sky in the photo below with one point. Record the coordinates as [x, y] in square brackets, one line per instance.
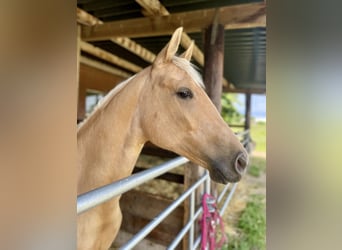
[258, 107]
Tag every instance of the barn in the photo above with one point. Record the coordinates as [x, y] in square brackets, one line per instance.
[117, 39]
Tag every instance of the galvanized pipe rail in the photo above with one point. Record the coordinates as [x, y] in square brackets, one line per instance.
[245, 137]
[97, 196]
[242, 133]
[159, 218]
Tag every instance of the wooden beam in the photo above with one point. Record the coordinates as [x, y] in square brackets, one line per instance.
[136, 215]
[123, 237]
[237, 90]
[104, 67]
[155, 8]
[197, 54]
[135, 48]
[236, 125]
[171, 177]
[85, 18]
[258, 22]
[92, 78]
[105, 55]
[193, 21]
[89, 20]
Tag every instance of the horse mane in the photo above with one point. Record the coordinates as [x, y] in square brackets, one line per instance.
[180, 62]
[189, 68]
[106, 99]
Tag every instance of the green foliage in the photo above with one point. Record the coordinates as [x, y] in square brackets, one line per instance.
[229, 112]
[257, 166]
[252, 222]
[258, 134]
[252, 225]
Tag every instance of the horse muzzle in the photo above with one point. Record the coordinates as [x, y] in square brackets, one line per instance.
[224, 171]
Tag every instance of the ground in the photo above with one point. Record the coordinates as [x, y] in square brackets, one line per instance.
[245, 217]
[249, 185]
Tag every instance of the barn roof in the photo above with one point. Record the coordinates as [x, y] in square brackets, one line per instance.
[245, 33]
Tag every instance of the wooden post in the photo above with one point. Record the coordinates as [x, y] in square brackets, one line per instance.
[248, 121]
[248, 111]
[81, 104]
[81, 91]
[78, 55]
[213, 75]
[191, 175]
[213, 64]
[213, 68]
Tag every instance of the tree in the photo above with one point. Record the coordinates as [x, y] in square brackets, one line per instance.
[229, 112]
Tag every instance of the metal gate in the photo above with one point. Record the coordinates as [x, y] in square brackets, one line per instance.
[95, 197]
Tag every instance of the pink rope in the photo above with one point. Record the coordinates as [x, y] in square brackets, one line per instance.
[209, 221]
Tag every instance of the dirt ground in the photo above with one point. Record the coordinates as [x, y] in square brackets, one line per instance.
[248, 185]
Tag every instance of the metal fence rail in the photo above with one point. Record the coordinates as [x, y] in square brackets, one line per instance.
[97, 196]
[242, 133]
[100, 195]
[154, 223]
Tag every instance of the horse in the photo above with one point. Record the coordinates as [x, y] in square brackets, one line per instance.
[165, 104]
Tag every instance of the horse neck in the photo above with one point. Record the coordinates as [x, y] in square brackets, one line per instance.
[111, 141]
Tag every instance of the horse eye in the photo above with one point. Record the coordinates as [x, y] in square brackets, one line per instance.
[184, 93]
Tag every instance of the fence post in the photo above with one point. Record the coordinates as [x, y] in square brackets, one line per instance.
[191, 174]
[213, 67]
[248, 121]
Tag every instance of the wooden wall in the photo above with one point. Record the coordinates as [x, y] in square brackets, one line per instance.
[96, 79]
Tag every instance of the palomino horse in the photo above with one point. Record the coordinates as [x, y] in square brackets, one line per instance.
[166, 105]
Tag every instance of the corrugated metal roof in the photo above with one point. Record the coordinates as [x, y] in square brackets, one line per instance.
[245, 49]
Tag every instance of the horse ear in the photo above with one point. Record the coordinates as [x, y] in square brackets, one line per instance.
[188, 53]
[166, 54]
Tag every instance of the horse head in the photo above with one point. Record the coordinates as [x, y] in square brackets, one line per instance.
[177, 114]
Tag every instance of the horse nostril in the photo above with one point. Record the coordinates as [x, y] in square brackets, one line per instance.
[241, 163]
